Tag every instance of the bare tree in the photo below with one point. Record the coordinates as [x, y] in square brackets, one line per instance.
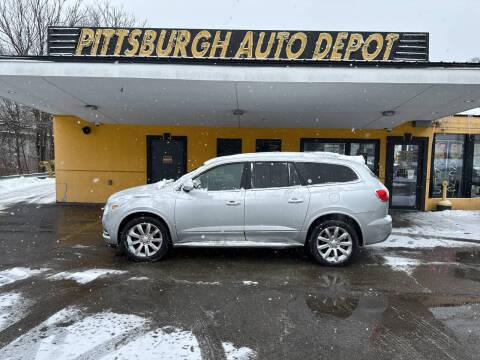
[23, 32]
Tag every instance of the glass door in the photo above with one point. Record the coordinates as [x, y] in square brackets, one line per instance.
[405, 176]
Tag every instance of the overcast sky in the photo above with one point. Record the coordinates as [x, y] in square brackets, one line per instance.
[453, 25]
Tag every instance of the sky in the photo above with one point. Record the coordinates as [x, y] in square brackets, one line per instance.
[453, 25]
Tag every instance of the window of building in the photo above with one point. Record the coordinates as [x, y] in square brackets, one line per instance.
[224, 177]
[229, 147]
[268, 145]
[369, 149]
[474, 160]
[321, 173]
[448, 165]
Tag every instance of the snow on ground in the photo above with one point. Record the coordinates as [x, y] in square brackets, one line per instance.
[401, 263]
[12, 308]
[249, 282]
[84, 277]
[18, 273]
[72, 334]
[233, 353]
[461, 224]
[166, 343]
[415, 242]
[30, 190]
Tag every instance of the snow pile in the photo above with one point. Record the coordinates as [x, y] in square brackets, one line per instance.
[17, 273]
[84, 277]
[30, 190]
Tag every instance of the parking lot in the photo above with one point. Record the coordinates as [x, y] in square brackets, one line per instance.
[64, 293]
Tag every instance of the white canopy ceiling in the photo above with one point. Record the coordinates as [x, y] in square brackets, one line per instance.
[206, 95]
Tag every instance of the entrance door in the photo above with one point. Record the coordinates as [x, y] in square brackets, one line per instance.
[166, 157]
[405, 172]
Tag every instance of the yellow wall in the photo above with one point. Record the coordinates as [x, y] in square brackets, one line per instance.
[85, 163]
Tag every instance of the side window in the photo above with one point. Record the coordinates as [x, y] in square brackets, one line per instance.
[270, 174]
[321, 173]
[293, 175]
[224, 177]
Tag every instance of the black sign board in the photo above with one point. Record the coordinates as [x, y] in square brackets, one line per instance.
[270, 45]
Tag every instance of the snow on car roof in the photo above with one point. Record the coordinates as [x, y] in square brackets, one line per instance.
[287, 156]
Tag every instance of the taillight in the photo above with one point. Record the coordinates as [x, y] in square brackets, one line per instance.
[382, 194]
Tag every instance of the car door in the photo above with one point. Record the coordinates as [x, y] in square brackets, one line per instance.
[214, 210]
[275, 203]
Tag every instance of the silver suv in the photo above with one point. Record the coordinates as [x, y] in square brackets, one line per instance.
[329, 203]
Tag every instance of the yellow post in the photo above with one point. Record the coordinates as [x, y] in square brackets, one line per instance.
[444, 204]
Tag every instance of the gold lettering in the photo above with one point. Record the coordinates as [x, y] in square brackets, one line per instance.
[161, 40]
[354, 43]
[182, 40]
[204, 34]
[246, 46]
[85, 40]
[321, 38]
[217, 43]
[147, 47]
[281, 37]
[379, 40]
[133, 41]
[338, 46]
[107, 35]
[121, 35]
[98, 36]
[297, 36]
[391, 38]
[258, 50]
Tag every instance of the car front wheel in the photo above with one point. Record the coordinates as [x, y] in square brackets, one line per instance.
[145, 239]
[333, 243]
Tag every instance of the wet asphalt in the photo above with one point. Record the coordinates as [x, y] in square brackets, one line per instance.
[295, 309]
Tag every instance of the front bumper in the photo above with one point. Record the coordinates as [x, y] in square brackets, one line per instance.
[378, 230]
[109, 229]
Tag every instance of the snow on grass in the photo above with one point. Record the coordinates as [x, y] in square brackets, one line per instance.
[30, 190]
[166, 343]
[249, 282]
[17, 273]
[12, 308]
[233, 353]
[401, 263]
[414, 242]
[84, 277]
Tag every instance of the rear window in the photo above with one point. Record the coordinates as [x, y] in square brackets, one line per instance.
[321, 173]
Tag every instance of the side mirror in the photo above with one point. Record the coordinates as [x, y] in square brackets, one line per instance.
[188, 185]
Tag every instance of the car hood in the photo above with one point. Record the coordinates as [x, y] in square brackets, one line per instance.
[142, 191]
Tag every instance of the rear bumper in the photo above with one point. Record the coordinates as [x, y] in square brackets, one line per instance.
[378, 230]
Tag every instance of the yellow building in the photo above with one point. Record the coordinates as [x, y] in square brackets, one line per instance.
[134, 106]
[89, 168]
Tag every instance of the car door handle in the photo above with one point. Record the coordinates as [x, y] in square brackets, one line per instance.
[295, 200]
[233, 202]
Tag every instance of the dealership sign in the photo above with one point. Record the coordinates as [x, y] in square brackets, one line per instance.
[234, 45]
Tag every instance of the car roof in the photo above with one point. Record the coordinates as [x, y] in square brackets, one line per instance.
[314, 156]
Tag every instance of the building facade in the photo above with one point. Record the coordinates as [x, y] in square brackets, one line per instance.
[412, 159]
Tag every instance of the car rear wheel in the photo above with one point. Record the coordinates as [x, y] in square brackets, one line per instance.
[145, 239]
[333, 243]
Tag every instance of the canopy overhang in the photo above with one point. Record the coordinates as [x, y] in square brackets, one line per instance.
[267, 96]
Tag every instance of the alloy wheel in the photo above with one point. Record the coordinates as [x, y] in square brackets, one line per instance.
[334, 244]
[144, 239]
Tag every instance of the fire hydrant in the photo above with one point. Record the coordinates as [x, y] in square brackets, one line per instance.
[444, 204]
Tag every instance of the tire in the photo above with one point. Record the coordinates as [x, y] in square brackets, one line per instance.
[141, 236]
[324, 247]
